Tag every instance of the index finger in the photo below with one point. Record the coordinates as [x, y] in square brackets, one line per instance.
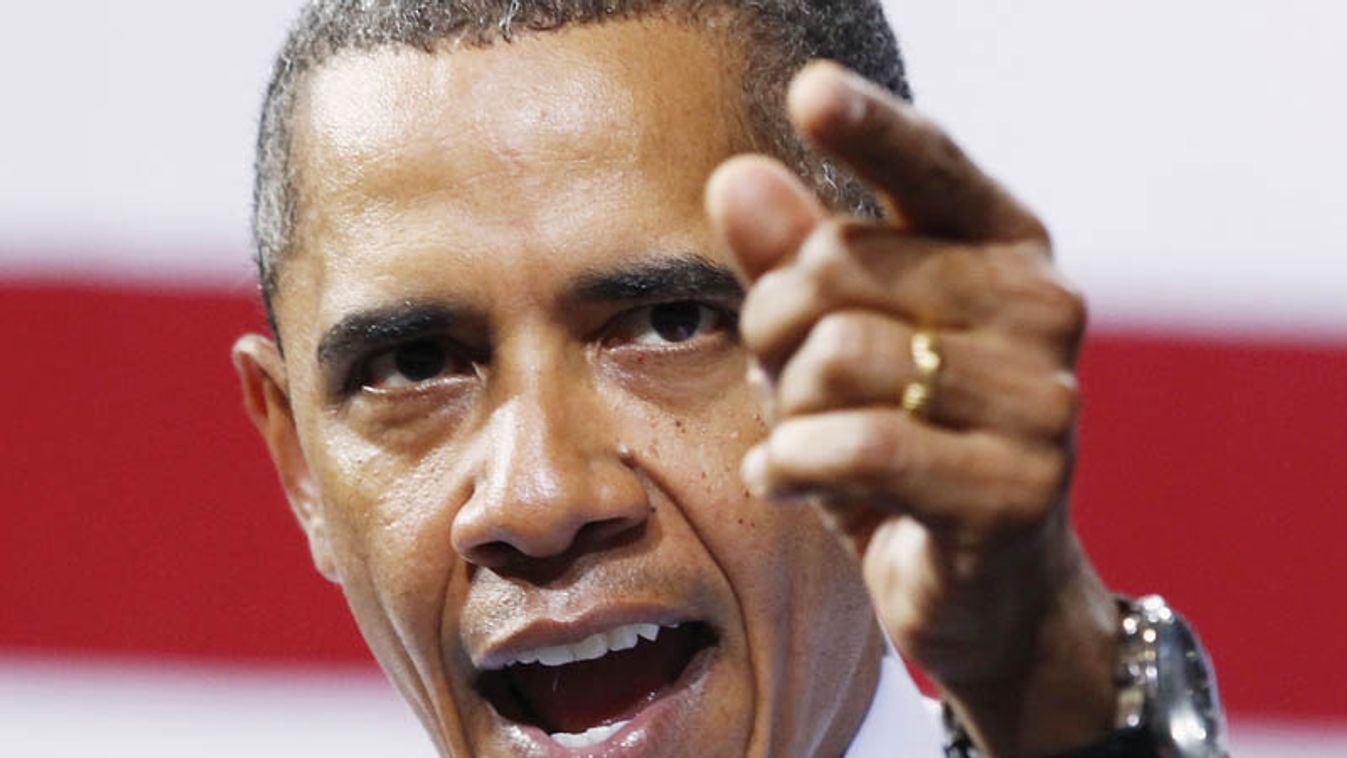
[926, 176]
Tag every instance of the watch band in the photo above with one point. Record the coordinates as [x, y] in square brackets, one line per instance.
[1168, 706]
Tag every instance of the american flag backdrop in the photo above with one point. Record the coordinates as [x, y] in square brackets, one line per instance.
[156, 598]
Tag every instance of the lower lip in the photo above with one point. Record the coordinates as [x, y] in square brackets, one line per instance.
[656, 726]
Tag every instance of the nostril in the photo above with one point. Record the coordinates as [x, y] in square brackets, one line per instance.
[494, 555]
[505, 559]
[549, 514]
[608, 534]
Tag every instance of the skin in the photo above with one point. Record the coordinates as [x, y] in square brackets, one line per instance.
[958, 514]
[574, 463]
[575, 445]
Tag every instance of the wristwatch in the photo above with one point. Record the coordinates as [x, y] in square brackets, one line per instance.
[1167, 685]
[1168, 706]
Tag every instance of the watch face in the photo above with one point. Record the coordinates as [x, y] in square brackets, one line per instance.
[1185, 709]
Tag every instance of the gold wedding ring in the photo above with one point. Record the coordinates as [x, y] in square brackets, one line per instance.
[926, 363]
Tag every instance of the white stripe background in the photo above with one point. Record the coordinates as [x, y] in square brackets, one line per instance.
[1188, 155]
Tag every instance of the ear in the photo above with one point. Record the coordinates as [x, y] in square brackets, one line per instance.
[266, 398]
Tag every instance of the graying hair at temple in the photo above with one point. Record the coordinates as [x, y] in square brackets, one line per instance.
[780, 37]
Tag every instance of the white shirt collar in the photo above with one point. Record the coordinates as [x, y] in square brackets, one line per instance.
[900, 722]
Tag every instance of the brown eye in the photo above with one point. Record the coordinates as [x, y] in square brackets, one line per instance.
[408, 365]
[673, 323]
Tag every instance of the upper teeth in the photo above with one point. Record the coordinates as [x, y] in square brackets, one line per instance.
[591, 647]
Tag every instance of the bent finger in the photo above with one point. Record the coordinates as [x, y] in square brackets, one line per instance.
[762, 211]
[973, 482]
[855, 265]
[858, 359]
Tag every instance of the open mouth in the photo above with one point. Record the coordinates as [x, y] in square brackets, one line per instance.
[582, 694]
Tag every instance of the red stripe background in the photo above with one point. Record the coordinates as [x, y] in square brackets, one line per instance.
[140, 516]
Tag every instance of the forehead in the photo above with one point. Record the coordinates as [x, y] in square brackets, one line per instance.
[371, 126]
[544, 87]
[520, 146]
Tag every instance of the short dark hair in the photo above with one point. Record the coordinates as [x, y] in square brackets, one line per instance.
[781, 36]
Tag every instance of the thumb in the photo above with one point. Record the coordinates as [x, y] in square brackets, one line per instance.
[762, 211]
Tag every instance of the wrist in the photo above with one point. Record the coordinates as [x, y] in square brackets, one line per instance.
[1057, 689]
[1166, 698]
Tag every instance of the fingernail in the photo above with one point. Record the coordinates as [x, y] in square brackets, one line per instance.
[855, 104]
[846, 90]
[755, 375]
[753, 471]
[833, 91]
[762, 388]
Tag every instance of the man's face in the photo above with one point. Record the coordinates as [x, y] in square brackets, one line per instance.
[513, 371]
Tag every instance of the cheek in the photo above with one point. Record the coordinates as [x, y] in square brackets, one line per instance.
[766, 550]
[781, 563]
[694, 443]
[389, 518]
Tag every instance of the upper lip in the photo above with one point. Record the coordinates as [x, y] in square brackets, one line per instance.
[507, 647]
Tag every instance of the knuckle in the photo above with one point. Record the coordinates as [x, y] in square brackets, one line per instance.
[1076, 314]
[974, 286]
[773, 309]
[878, 453]
[1039, 296]
[1029, 496]
[1061, 405]
[1063, 306]
[825, 256]
[753, 316]
[838, 343]
[1038, 490]
[811, 295]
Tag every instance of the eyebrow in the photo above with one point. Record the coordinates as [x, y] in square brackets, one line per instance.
[361, 331]
[684, 277]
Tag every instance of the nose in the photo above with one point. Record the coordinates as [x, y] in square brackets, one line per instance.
[552, 481]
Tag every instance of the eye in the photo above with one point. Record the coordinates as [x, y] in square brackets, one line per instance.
[675, 323]
[408, 365]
